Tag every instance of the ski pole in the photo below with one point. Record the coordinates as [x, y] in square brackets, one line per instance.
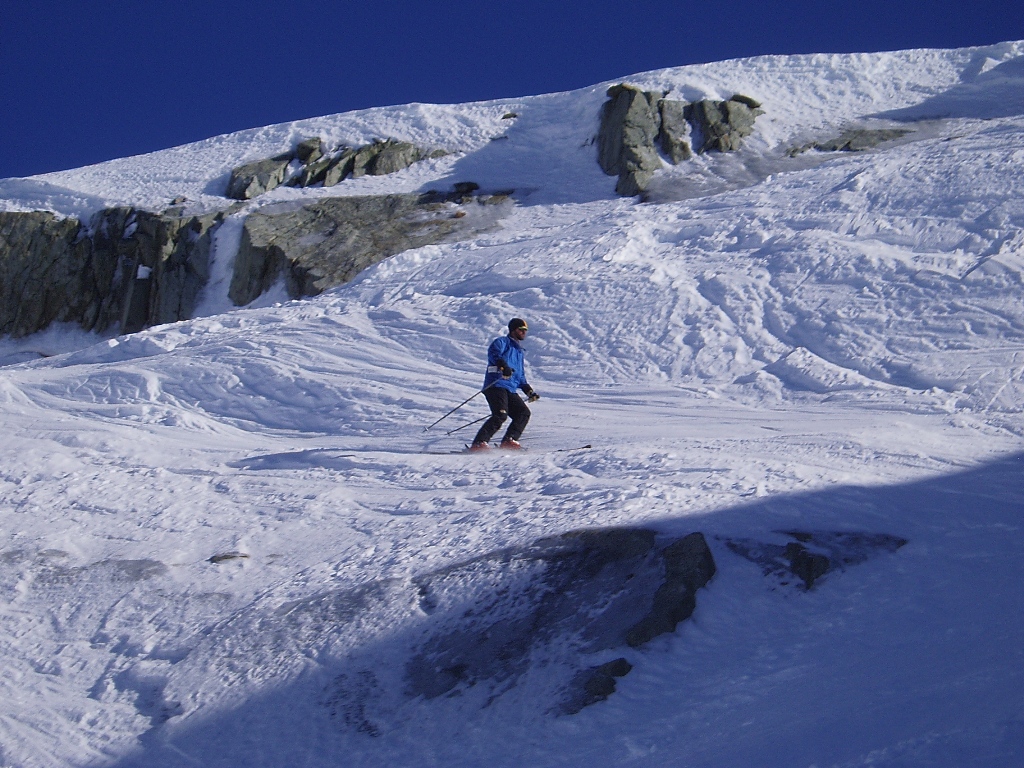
[453, 410]
[475, 421]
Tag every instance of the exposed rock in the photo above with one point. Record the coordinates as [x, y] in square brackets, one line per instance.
[812, 555]
[594, 685]
[393, 156]
[327, 242]
[46, 275]
[310, 150]
[854, 140]
[129, 241]
[752, 103]
[533, 628]
[722, 125]
[634, 123]
[339, 167]
[129, 268]
[253, 179]
[542, 627]
[329, 168]
[389, 156]
[182, 267]
[630, 123]
[160, 264]
[226, 556]
[688, 567]
[674, 131]
[576, 594]
[312, 173]
[806, 565]
[364, 156]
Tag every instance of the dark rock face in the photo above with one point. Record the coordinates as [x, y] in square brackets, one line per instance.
[327, 242]
[129, 267]
[162, 263]
[40, 258]
[595, 684]
[635, 123]
[339, 167]
[688, 567]
[809, 556]
[132, 268]
[313, 172]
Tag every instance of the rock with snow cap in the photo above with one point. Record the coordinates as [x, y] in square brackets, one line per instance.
[722, 125]
[254, 179]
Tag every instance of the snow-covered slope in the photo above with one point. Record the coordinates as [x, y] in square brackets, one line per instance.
[213, 531]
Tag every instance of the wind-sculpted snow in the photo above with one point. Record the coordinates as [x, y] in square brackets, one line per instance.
[231, 541]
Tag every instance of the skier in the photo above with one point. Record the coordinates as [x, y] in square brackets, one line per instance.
[505, 374]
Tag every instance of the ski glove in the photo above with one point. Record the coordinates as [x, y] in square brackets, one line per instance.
[532, 397]
[506, 372]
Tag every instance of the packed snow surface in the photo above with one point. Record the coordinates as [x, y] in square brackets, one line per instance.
[210, 527]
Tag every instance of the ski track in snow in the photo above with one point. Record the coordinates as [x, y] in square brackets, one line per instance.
[195, 516]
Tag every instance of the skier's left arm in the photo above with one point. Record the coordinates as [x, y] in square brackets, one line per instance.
[531, 395]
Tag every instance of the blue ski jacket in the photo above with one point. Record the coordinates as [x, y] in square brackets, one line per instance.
[506, 350]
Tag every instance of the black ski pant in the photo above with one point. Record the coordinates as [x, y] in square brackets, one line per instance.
[503, 404]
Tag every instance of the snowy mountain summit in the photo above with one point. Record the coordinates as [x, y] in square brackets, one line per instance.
[769, 512]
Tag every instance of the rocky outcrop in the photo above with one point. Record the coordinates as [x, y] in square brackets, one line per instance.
[46, 273]
[595, 684]
[674, 130]
[803, 558]
[182, 268]
[630, 123]
[327, 242]
[572, 597]
[722, 125]
[853, 140]
[253, 179]
[128, 268]
[635, 124]
[310, 150]
[384, 157]
[162, 262]
[688, 567]
[534, 628]
[318, 166]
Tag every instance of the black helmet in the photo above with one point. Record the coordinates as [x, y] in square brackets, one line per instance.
[515, 323]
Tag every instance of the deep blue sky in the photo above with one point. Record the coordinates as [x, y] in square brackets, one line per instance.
[82, 82]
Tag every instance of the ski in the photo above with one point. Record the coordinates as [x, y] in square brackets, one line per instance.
[466, 449]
